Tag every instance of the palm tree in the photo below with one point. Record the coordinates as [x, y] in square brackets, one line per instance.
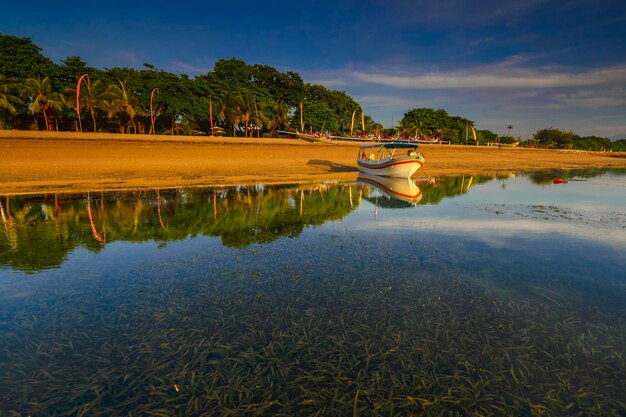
[247, 112]
[280, 117]
[377, 128]
[92, 98]
[113, 111]
[254, 113]
[7, 98]
[222, 109]
[42, 97]
[509, 127]
[123, 102]
[234, 110]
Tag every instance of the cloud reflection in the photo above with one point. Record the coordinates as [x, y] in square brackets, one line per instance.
[505, 233]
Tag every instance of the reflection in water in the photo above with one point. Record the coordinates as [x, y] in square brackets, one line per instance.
[391, 191]
[39, 232]
[240, 216]
[498, 301]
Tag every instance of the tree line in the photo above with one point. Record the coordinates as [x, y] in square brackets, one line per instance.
[241, 99]
[558, 139]
[236, 98]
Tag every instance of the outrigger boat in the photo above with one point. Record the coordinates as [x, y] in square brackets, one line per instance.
[390, 159]
[312, 136]
[309, 137]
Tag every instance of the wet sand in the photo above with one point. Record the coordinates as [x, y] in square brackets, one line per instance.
[40, 162]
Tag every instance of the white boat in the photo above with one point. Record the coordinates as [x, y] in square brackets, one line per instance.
[390, 159]
[403, 189]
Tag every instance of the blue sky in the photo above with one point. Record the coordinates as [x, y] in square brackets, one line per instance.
[529, 63]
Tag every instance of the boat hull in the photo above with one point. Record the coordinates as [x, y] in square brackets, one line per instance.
[403, 189]
[400, 168]
[311, 138]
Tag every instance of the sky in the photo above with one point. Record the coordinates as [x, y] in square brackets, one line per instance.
[531, 64]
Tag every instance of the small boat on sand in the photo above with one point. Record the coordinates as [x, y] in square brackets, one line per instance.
[309, 137]
[390, 159]
[312, 136]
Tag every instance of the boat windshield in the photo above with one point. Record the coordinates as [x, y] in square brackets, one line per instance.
[387, 151]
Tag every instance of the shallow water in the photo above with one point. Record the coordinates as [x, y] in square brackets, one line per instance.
[473, 295]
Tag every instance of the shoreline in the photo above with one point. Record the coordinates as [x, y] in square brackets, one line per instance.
[36, 162]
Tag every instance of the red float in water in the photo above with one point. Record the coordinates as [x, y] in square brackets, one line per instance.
[558, 181]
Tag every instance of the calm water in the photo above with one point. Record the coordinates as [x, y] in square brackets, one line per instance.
[460, 296]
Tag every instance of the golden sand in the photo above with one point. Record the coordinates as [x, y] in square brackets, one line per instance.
[39, 162]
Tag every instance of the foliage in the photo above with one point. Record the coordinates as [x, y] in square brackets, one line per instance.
[8, 99]
[20, 58]
[619, 145]
[592, 143]
[431, 123]
[43, 98]
[554, 138]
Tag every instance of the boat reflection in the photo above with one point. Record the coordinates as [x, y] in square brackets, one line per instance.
[390, 192]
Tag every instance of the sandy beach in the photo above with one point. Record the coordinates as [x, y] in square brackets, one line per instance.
[41, 162]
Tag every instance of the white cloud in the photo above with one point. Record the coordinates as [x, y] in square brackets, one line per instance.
[593, 98]
[503, 75]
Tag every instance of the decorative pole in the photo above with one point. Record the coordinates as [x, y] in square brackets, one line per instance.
[352, 124]
[152, 116]
[256, 111]
[211, 114]
[80, 79]
[363, 120]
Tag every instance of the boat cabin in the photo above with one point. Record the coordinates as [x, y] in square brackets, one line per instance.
[387, 151]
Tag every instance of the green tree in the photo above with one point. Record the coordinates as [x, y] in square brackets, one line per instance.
[69, 71]
[619, 145]
[20, 58]
[8, 99]
[92, 96]
[554, 138]
[485, 136]
[124, 102]
[592, 143]
[234, 72]
[42, 97]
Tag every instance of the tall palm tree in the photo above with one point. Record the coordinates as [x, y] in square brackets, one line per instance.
[92, 97]
[7, 98]
[42, 97]
[252, 113]
[509, 127]
[113, 111]
[377, 128]
[125, 102]
[280, 117]
[234, 110]
[247, 112]
[413, 127]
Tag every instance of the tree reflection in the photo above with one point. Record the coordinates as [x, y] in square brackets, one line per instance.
[40, 231]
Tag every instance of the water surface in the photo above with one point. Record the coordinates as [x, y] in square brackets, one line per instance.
[470, 295]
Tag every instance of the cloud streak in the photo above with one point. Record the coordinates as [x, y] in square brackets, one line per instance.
[497, 77]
